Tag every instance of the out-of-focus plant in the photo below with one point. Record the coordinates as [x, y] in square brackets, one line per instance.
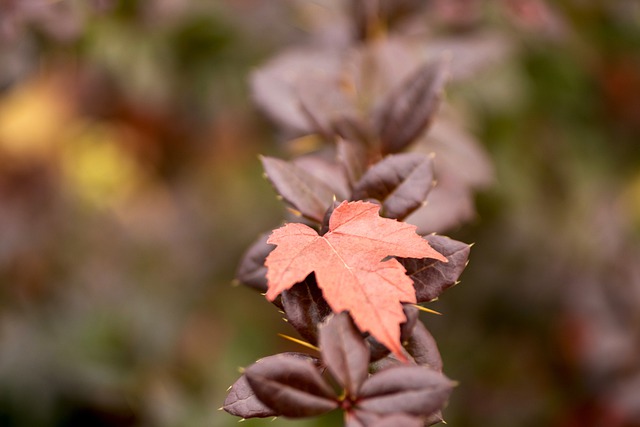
[362, 117]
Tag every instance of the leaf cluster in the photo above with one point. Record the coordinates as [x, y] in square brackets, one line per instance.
[349, 268]
[297, 385]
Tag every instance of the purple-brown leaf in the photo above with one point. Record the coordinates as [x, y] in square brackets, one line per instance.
[291, 386]
[353, 158]
[408, 110]
[251, 270]
[276, 85]
[302, 190]
[401, 182]
[397, 420]
[305, 308]
[323, 166]
[377, 350]
[423, 348]
[359, 418]
[242, 402]
[353, 128]
[344, 352]
[413, 390]
[432, 277]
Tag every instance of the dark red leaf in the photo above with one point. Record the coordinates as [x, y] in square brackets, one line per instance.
[423, 348]
[400, 182]
[302, 190]
[344, 352]
[242, 402]
[413, 390]
[432, 277]
[291, 386]
[251, 270]
[305, 308]
[409, 109]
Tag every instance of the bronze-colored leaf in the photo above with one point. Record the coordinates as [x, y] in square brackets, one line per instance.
[302, 190]
[401, 182]
[432, 277]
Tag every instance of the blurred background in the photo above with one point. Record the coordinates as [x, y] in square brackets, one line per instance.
[130, 187]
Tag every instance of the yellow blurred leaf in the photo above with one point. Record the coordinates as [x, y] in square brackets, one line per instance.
[98, 167]
[32, 118]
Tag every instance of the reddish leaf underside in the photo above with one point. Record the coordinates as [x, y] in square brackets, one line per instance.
[351, 268]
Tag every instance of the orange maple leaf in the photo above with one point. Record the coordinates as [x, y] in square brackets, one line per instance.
[352, 267]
